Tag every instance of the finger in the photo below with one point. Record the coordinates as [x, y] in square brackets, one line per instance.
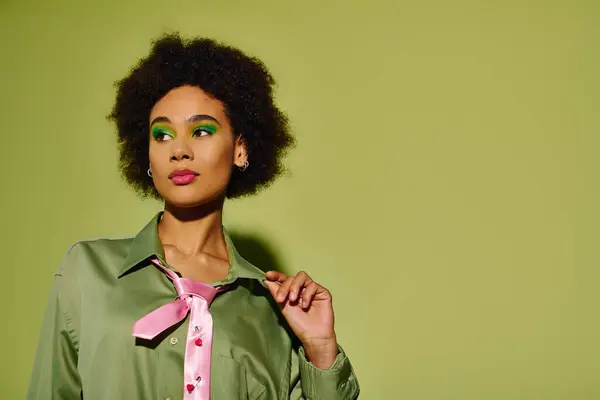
[276, 276]
[300, 280]
[284, 288]
[272, 287]
[308, 294]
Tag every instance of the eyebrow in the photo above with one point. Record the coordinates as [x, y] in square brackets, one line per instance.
[193, 118]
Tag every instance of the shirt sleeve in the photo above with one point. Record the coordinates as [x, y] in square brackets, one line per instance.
[338, 382]
[54, 374]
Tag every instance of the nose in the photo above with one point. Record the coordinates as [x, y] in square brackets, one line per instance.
[180, 150]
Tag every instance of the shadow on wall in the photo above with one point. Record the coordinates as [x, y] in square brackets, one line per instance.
[257, 251]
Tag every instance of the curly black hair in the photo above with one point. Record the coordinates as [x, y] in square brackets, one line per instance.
[242, 83]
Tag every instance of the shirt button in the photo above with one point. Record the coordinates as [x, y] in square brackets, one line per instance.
[174, 340]
[198, 342]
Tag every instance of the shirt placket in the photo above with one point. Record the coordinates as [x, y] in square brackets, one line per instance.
[198, 350]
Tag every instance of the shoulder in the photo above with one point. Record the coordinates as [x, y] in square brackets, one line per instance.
[94, 252]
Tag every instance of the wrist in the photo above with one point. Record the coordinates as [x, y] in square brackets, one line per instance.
[321, 353]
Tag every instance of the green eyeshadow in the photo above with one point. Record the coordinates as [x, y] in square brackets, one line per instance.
[210, 128]
[158, 130]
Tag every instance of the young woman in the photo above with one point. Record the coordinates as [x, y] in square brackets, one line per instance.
[175, 312]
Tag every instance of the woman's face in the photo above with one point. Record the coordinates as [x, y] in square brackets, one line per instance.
[192, 147]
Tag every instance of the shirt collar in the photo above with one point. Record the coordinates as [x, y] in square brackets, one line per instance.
[146, 244]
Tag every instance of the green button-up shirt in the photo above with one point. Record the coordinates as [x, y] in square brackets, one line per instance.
[86, 348]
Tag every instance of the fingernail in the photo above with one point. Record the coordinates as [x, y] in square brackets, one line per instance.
[292, 296]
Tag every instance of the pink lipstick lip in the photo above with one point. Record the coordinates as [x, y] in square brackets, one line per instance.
[181, 180]
[182, 177]
[182, 172]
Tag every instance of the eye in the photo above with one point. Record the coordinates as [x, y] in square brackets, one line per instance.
[204, 130]
[161, 134]
[201, 132]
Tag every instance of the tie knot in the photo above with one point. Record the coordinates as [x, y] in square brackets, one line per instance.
[188, 287]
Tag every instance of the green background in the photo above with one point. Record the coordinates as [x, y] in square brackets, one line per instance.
[444, 186]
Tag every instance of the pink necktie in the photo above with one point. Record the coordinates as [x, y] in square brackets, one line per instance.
[193, 297]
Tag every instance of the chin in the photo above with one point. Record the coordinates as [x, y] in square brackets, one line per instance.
[190, 198]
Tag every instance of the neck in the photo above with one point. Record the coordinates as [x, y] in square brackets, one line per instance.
[194, 230]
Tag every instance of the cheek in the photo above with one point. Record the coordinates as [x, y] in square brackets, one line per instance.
[158, 156]
[215, 155]
[214, 162]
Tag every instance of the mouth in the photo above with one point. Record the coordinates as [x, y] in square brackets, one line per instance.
[183, 176]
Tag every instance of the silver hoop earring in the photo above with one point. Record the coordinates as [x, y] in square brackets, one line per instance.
[245, 166]
[149, 173]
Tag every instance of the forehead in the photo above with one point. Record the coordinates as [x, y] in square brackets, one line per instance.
[184, 101]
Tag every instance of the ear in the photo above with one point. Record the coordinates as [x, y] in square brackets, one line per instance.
[240, 152]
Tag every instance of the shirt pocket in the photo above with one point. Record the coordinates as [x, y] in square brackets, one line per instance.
[230, 380]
